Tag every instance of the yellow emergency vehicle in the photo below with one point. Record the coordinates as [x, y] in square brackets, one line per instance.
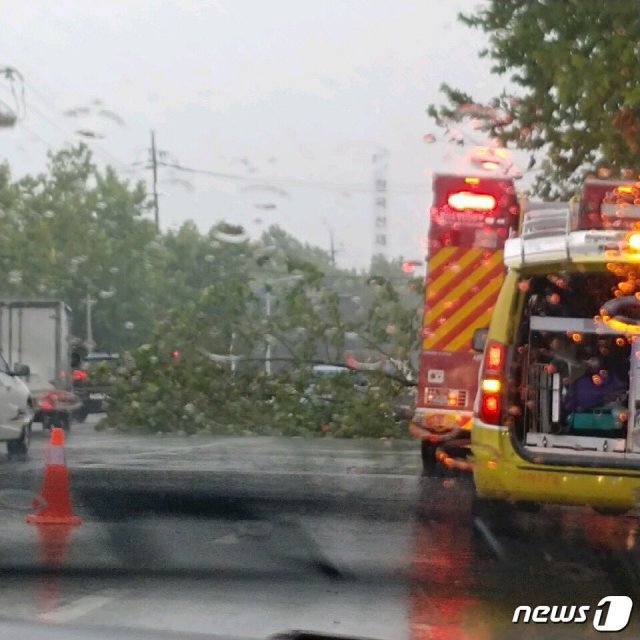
[557, 414]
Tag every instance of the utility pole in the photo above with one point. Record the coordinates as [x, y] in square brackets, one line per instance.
[333, 249]
[233, 361]
[380, 161]
[154, 167]
[267, 361]
[10, 115]
[90, 344]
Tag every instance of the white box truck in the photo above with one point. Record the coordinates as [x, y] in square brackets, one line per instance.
[37, 333]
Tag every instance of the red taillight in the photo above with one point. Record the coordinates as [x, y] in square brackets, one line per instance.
[494, 358]
[409, 266]
[45, 405]
[465, 200]
[79, 375]
[490, 410]
[176, 355]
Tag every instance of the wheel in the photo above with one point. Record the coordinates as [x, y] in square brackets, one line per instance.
[64, 421]
[56, 420]
[18, 449]
[47, 421]
[428, 453]
[81, 414]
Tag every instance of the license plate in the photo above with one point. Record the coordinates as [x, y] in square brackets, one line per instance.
[97, 396]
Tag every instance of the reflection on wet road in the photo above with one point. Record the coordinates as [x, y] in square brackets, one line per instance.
[248, 536]
[470, 571]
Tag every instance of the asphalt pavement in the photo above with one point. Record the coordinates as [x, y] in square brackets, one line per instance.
[249, 536]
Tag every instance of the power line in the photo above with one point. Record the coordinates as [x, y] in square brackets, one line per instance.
[68, 135]
[295, 182]
[68, 138]
[45, 142]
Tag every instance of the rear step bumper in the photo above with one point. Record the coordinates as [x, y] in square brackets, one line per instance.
[454, 454]
[504, 469]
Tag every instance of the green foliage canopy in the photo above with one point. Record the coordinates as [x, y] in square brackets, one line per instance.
[574, 65]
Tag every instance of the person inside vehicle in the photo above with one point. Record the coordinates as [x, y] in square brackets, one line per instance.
[614, 357]
[597, 388]
[559, 356]
[553, 304]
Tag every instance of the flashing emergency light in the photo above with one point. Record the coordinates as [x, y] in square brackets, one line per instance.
[633, 241]
[464, 200]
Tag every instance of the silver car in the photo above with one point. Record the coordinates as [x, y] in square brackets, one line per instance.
[16, 411]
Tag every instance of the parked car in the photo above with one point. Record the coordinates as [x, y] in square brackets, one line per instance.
[38, 334]
[92, 381]
[314, 391]
[16, 409]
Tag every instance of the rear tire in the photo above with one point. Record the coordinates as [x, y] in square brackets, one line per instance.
[65, 421]
[18, 449]
[81, 414]
[61, 420]
[428, 454]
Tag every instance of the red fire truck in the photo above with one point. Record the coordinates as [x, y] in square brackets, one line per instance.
[470, 220]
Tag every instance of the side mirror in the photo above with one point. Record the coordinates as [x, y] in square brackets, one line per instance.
[21, 370]
[479, 339]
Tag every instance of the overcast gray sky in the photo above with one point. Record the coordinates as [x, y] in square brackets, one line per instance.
[285, 89]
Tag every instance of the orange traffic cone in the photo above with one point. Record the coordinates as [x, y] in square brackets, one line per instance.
[55, 487]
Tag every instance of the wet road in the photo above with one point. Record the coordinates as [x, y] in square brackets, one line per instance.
[248, 536]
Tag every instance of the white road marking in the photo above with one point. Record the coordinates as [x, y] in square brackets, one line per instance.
[230, 538]
[80, 607]
[491, 540]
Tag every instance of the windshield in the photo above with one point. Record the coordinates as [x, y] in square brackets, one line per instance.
[319, 320]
